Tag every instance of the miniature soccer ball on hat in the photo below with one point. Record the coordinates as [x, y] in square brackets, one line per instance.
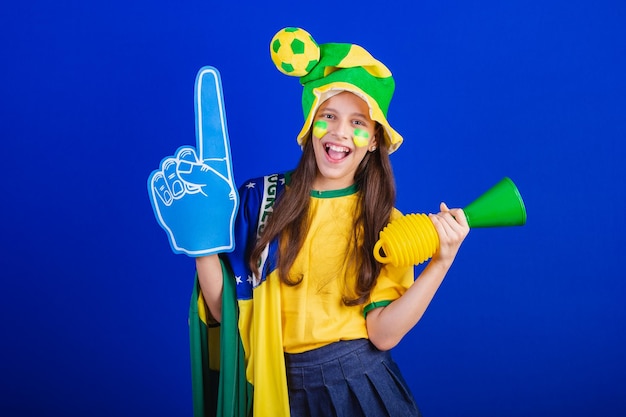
[294, 51]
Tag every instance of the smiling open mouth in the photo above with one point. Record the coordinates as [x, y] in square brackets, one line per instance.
[336, 152]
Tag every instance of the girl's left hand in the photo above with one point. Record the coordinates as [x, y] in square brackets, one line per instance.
[452, 228]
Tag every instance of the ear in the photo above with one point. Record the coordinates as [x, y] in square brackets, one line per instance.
[379, 132]
[373, 144]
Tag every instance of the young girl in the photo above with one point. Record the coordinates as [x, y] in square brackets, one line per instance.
[317, 314]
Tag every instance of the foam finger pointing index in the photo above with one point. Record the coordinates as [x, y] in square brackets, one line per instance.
[211, 127]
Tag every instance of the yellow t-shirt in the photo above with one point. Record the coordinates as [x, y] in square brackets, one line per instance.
[313, 312]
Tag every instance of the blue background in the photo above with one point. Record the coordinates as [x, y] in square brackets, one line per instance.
[93, 303]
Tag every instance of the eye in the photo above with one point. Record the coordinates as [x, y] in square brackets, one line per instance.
[359, 122]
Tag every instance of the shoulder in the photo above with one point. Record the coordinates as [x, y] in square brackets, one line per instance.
[261, 184]
[262, 189]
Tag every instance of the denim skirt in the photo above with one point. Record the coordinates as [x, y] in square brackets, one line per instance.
[347, 379]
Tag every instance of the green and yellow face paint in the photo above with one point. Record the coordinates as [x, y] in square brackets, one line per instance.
[320, 128]
[360, 138]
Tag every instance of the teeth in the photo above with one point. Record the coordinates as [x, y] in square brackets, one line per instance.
[337, 148]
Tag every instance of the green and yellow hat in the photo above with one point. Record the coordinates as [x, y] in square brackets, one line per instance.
[328, 69]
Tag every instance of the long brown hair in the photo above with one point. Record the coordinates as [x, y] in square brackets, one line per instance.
[377, 192]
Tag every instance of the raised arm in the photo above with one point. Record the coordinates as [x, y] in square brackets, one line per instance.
[210, 277]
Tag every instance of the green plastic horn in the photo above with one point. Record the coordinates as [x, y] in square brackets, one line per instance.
[412, 239]
[501, 205]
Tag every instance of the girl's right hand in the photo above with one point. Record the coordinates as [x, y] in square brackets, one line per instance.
[452, 228]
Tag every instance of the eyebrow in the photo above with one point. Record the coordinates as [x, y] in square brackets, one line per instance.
[323, 109]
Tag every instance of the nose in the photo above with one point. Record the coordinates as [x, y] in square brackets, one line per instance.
[342, 131]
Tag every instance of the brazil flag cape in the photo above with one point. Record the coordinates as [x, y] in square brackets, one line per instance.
[238, 367]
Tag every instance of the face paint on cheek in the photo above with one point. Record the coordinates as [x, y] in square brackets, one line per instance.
[320, 128]
[360, 138]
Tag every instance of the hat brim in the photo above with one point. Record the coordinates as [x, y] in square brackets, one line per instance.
[393, 139]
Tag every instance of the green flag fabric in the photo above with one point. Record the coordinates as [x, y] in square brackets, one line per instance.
[219, 386]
